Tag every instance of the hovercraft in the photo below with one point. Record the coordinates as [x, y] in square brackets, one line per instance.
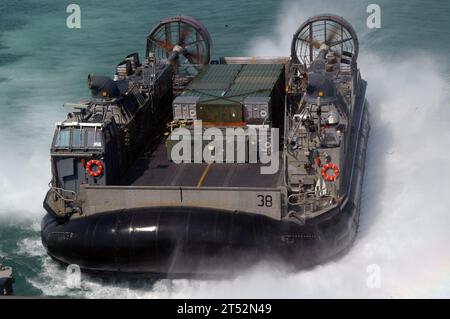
[146, 179]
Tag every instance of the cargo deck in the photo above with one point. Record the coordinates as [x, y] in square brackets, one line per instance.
[157, 170]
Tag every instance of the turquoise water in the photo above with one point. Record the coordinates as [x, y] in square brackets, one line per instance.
[44, 64]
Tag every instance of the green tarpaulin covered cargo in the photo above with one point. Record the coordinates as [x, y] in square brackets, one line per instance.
[222, 89]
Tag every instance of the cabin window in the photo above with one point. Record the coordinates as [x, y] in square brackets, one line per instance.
[94, 138]
[63, 138]
[77, 137]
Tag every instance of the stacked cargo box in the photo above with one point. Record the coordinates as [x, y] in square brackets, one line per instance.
[232, 96]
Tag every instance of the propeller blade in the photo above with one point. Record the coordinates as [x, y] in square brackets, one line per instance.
[330, 37]
[165, 45]
[339, 42]
[193, 60]
[194, 43]
[314, 43]
[182, 36]
[191, 57]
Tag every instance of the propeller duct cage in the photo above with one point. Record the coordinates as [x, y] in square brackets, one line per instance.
[183, 41]
[327, 32]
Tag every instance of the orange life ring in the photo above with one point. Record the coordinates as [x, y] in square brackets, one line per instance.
[327, 177]
[96, 163]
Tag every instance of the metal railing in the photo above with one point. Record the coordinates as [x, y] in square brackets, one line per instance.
[308, 203]
[67, 196]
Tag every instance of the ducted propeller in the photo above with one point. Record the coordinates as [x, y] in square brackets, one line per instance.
[324, 32]
[184, 41]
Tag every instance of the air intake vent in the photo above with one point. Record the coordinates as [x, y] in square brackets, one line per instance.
[124, 69]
